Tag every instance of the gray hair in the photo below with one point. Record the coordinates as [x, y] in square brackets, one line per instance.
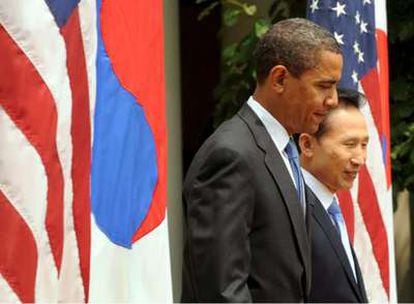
[295, 43]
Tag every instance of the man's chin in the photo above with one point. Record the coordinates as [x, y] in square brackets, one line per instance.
[347, 186]
[312, 129]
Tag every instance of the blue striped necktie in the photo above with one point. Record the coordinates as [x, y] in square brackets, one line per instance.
[336, 214]
[293, 156]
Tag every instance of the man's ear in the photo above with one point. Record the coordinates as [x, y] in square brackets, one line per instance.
[307, 144]
[278, 76]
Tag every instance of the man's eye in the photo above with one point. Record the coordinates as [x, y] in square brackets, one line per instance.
[350, 144]
[325, 86]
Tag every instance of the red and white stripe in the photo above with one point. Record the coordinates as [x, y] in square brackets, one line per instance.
[44, 237]
[375, 243]
[369, 209]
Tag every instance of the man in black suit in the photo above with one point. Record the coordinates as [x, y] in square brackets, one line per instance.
[331, 159]
[244, 200]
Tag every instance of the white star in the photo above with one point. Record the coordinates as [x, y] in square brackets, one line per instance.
[314, 5]
[339, 38]
[339, 9]
[363, 27]
[366, 2]
[354, 76]
[357, 50]
[357, 17]
[360, 57]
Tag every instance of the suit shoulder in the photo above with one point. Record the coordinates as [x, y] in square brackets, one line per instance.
[233, 134]
[231, 143]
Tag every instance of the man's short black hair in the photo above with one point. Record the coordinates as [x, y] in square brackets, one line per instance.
[295, 43]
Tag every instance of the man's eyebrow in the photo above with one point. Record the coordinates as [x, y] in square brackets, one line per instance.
[330, 81]
[352, 137]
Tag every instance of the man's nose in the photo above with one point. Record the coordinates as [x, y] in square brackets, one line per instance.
[359, 158]
[332, 100]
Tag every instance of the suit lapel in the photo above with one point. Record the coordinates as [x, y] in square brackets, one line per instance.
[322, 218]
[281, 176]
[309, 209]
[361, 284]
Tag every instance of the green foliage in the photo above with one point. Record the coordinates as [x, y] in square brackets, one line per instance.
[238, 76]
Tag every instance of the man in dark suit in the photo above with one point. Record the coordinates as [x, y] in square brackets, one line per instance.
[331, 159]
[244, 200]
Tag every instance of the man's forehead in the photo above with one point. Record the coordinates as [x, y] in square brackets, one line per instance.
[328, 68]
[344, 120]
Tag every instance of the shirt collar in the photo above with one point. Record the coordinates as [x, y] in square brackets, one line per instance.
[321, 191]
[277, 132]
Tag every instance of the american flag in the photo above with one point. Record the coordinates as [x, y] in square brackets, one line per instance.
[82, 152]
[359, 26]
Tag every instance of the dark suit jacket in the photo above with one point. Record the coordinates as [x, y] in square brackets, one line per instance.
[246, 239]
[332, 277]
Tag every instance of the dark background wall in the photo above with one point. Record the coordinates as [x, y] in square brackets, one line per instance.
[200, 73]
